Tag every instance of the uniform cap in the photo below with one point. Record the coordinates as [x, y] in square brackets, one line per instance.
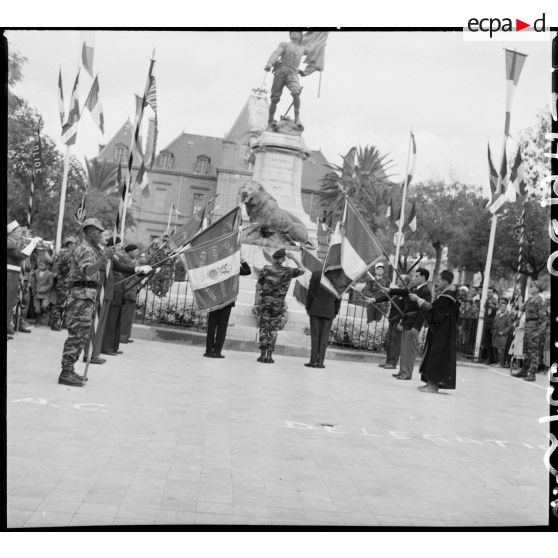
[130, 248]
[379, 264]
[279, 254]
[12, 226]
[92, 222]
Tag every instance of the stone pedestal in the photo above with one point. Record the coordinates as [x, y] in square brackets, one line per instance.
[278, 168]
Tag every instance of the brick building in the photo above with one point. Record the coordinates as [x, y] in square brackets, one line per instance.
[193, 168]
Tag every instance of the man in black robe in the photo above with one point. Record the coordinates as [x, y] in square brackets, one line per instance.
[439, 363]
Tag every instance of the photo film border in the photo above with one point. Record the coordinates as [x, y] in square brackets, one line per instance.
[551, 455]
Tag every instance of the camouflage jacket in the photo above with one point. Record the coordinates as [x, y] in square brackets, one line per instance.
[275, 281]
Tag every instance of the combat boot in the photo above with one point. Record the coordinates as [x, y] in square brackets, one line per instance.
[262, 357]
[520, 373]
[530, 377]
[268, 359]
[68, 378]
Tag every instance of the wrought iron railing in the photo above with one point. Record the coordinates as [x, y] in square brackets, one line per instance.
[350, 329]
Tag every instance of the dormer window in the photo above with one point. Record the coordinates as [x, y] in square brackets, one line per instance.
[166, 160]
[120, 153]
[202, 164]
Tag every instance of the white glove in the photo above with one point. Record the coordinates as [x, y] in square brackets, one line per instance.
[145, 269]
[36, 239]
[157, 270]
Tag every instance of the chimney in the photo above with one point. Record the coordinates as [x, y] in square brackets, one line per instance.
[151, 141]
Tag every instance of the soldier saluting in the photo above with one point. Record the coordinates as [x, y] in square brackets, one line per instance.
[285, 61]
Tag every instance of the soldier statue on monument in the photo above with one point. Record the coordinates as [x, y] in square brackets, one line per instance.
[285, 61]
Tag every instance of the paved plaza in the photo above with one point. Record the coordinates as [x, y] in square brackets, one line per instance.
[161, 435]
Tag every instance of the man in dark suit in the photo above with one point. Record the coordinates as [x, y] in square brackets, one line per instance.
[411, 322]
[217, 323]
[322, 307]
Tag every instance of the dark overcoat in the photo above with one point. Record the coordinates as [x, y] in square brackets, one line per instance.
[439, 363]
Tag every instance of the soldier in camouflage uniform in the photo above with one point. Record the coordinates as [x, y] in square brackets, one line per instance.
[61, 271]
[535, 325]
[274, 281]
[84, 278]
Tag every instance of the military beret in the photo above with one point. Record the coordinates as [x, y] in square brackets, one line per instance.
[92, 222]
[279, 254]
[130, 248]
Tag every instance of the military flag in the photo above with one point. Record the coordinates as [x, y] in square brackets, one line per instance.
[36, 172]
[213, 262]
[93, 105]
[353, 249]
[311, 263]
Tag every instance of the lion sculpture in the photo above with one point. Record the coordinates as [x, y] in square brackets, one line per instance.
[271, 225]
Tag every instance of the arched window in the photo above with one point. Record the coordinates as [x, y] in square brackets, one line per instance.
[166, 159]
[202, 164]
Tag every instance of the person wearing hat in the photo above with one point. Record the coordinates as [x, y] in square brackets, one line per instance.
[88, 259]
[438, 368]
[61, 273]
[130, 295]
[218, 321]
[15, 254]
[274, 282]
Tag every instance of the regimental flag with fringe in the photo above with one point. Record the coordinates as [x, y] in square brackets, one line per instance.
[311, 263]
[517, 176]
[354, 248]
[122, 185]
[93, 105]
[69, 130]
[413, 161]
[213, 262]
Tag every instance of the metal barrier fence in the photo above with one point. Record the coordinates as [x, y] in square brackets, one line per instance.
[350, 329]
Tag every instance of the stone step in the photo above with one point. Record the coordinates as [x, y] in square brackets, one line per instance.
[197, 338]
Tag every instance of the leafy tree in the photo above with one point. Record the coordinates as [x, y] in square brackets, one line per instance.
[534, 144]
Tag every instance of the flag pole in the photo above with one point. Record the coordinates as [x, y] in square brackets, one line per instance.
[62, 200]
[170, 217]
[402, 212]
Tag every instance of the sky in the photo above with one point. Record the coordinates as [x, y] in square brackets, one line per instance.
[376, 86]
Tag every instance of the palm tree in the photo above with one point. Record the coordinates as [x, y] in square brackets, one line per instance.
[103, 192]
[363, 177]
